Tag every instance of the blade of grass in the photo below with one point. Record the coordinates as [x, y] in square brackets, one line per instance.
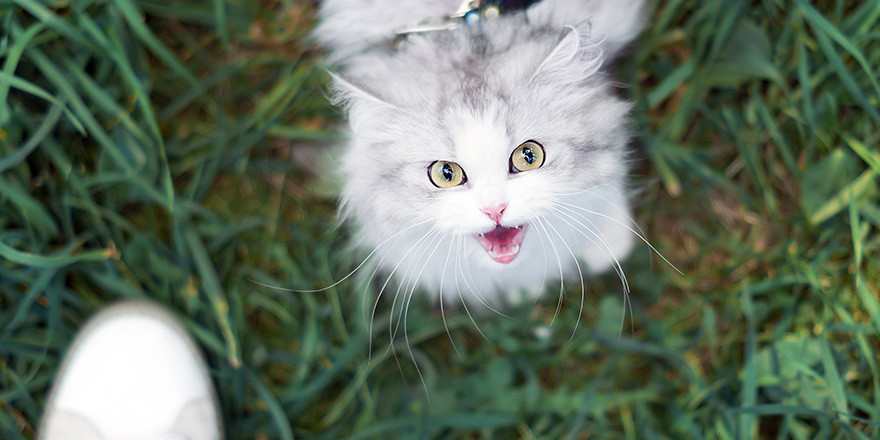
[22, 152]
[11, 425]
[671, 83]
[220, 23]
[806, 94]
[110, 281]
[670, 9]
[750, 152]
[57, 260]
[22, 396]
[449, 421]
[869, 301]
[833, 379]
[301, 396]
[207, 338]
[823, 27]
[24, 304]
[94, 128]
[214, 290]
[779, 139]
[846, 78]
[33, 89]
[53, 21]
[298, 133]
[13, 55]
[143, 101]
[854, 190]
[869, 18]
[30, 207]
[276, 411]
[670, 180]
[872, 158]
[192, 12]
[136, 21]
[748, 425]
[858, 246]
[186, 98]
[103, 100]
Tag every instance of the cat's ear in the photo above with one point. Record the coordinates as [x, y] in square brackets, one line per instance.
[612, 23]
[347, 93]
[574, 58]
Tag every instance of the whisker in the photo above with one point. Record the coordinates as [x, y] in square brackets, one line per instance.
[284, 289]
[406, 314]
[388, 280]
[476, 292]
[480, 296]
[625, 212]
[618, 268]
[372, 276]
[405, 283]
[544, 276]
[409, 295]
[396, 360]
[580, 274]
[442, 300]
[640, 236]
[593, 191]
[460, 242]
[559, 263]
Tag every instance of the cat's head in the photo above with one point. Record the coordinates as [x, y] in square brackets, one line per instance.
[479, 134]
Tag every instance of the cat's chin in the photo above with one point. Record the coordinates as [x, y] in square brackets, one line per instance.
[503, 243]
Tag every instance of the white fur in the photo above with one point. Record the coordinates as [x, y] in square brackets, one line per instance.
[471, 96]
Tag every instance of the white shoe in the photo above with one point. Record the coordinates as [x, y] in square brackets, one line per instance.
[132, 373]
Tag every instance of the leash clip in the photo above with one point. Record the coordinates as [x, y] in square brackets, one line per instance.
[470, 13]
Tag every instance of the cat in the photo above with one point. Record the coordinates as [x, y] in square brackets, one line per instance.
[487, 158]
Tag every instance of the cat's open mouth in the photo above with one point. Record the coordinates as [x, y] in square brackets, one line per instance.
[503, 243]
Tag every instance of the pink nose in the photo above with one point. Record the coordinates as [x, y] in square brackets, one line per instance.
[495, 213]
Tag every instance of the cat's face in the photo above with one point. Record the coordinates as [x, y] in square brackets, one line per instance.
[474, 157]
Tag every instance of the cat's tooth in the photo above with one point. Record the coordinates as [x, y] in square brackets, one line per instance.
[513, 250]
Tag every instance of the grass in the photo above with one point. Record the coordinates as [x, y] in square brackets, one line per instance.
[145, 151]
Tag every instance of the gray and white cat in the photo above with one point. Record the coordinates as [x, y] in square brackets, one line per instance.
[483, 161]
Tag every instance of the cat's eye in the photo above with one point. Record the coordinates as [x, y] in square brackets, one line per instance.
[528, 156]
[445, 174]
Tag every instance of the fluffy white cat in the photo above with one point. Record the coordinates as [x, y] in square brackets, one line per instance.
[485, 160]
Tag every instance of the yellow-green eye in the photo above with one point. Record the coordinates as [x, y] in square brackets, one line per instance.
[528, 156]
[446, 174]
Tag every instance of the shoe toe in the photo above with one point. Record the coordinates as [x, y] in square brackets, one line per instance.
[135, 373]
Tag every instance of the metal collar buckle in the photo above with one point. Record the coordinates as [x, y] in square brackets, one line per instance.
[470, 13]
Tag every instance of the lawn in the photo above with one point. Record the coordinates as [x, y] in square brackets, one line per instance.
[146, 150]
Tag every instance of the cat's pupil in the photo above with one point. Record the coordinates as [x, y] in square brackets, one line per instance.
[528, 155]
[448, 174]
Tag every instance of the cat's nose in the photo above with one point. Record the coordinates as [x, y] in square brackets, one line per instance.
[495, 213]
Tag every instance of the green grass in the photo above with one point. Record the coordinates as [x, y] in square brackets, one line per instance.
[145, 152]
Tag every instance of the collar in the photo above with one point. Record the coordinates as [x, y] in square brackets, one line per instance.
[469, 13]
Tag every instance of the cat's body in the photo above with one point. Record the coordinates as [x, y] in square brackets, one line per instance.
[483, 161]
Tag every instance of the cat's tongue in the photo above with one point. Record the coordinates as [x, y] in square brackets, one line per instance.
[502, 243]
